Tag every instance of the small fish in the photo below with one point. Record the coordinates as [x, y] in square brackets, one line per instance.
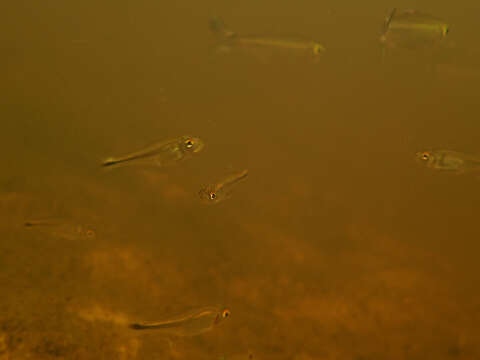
[214, 193]
[165, 153]
[412, 29]
[192, 323]
[447, 160]
[231, 39]
[62, 229]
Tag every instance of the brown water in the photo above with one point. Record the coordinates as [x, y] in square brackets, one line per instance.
[338, 245]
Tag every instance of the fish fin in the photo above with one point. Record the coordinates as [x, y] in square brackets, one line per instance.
[217, 26]
[42, 222]
[112, 162]
[136, 326]
[388, 20]
[383, 38]
[145, 326]
[109, 162]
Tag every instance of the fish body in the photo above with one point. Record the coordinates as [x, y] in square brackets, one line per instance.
[162, 154]
[413, 29]
[192, 323]
[276, 42]
[451, 161]
[230, 39]
[215, 193]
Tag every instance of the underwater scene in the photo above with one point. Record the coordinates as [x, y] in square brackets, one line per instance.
[228, 180]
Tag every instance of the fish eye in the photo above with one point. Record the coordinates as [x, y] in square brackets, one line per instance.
[425, 156]
[225, 313]
[212, 196]
[189, 143]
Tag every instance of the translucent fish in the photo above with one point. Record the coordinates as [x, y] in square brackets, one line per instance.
[215, 193]
[165, 153]
[413, 30]
[61, 229]
[192, 323]
[450, 161]
[230, 39]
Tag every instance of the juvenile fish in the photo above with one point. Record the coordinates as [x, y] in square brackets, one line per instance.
[231, 39]
[447, 160]
[214, 193]
[192, 323]
[412, 29]
[165, 153]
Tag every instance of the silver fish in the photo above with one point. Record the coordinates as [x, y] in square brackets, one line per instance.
[230, 39]
[451, 161]
[165, 153]
[413, 30]
[192, 323]
[215, 193]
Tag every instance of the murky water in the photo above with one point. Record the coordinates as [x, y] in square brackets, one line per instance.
[338, 244]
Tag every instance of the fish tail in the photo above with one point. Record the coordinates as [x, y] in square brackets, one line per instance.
[43, 222]
[33, 223]
[217, 26]
[152, 325]
[118, 161]
[151, 151]
[30, 223]
[388, 20]
[383, 38]
[137, 326]
[110, 162]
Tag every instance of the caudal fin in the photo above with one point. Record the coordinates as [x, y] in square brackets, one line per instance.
[383, 38]
[150, 325]
[136, 326]
[388, 20]
[110, 162]
[115, 162]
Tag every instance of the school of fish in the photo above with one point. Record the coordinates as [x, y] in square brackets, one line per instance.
[409, 29]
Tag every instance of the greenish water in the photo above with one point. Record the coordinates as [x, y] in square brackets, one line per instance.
[338, 244]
